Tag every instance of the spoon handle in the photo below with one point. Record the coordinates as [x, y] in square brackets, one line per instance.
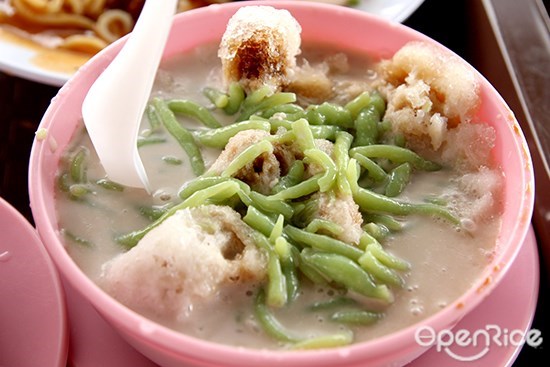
[114, 105]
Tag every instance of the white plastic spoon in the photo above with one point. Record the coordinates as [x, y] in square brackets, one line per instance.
[114, 106]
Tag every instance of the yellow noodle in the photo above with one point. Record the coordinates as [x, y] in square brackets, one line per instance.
[113, 24]
[89, 44]
[94, 7]
[96, 25]
[76, 6]
[44, 6]
[53, 19]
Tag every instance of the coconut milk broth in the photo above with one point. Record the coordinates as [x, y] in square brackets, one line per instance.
[444, 261]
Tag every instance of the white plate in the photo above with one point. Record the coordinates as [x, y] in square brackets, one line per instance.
[19, 60]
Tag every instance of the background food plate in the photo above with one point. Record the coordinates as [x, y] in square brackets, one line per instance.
[21, 60]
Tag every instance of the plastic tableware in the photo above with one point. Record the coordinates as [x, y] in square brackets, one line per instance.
[33, 323]
[114, 105]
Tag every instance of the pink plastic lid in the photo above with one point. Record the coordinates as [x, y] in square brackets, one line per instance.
[33, 324]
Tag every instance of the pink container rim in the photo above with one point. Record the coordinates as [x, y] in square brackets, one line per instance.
[512, 150]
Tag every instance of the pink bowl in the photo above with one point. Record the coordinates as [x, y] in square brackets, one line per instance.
[345, 28]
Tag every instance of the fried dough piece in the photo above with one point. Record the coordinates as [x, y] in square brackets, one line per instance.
[259, 47]
[261, 174]
[184, 261]
[428, 92]
[264, 172]
[342, 210]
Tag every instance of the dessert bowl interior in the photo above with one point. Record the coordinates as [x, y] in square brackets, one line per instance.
[338, 26]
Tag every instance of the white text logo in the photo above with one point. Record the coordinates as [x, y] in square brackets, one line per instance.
[482, 340]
